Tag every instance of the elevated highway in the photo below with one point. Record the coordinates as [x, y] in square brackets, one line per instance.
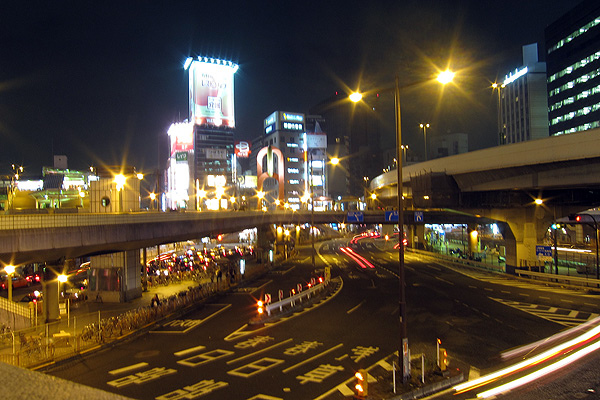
[502, 183]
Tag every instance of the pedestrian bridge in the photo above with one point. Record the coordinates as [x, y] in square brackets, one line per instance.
[43, 237]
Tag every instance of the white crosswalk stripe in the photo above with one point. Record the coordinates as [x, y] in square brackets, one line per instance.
[562, 316]
[515, 283]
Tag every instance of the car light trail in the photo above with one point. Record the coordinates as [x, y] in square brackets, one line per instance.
[541, 372]
[361, 261]
[578, 341]
[523, 349]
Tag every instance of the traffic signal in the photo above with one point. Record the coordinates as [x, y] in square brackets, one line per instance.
[259, 306]
[575, 217]
[443, 359]
[361, 386]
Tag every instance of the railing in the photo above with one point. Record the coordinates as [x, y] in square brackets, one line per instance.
[572, 281]
[292, 300]
[59, 220]
[46, 343]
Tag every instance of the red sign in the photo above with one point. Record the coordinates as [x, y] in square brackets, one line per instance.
[267, 298]
[242, 149]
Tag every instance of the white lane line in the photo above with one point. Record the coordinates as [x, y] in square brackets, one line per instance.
[354, 308]
[189, 351]
[127, 369]
[285, 371]
[445, 281]
[259, 351]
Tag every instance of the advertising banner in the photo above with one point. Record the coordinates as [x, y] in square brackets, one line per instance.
[211, 92]
[242, 149]
[181, 136]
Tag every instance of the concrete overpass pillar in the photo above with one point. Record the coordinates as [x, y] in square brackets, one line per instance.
[264, 237]
[523, 231]
[473, 239]
[50, 290]
[144, 270]
[416, 236]
[115, 277]
[279, 240]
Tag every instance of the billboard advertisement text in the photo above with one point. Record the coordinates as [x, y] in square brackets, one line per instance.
[211, 92]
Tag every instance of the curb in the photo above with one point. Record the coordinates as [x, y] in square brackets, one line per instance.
[429, 389]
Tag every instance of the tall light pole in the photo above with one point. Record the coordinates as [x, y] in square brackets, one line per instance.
[312, 210]
[10, 270]
[403, 354]
[499, 87]
[425, 127]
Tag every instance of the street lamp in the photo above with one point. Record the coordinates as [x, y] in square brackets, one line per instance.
[425, 127]
[404, 148]
[120, 180]
[62, 278]
[403, 354]
[10, 270]
[260, 195]
[499, 87]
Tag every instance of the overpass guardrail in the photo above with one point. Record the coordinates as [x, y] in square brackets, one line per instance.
[573, 281]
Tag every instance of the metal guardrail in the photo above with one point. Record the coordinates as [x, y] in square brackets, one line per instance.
[291, 301]
[563, 279]
[59, 220]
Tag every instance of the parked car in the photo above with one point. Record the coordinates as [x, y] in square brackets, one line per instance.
[17, 282]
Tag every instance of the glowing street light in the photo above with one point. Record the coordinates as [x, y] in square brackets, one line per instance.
[445, 77]
[120, 181]
[403, 353]
[10, 270]
[425, 127]
[260, 195]
[356, 97]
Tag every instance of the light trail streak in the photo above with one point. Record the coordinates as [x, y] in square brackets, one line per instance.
[541, 372]
[529, 362]
[361, 261]
[523, 349]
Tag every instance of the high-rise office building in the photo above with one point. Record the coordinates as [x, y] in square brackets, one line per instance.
[200, 167]
[573, 61]
[523, 100]
[300, 167]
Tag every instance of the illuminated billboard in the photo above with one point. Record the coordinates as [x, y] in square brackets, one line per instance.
[284, 121]
[242, 149]
[181, 136]
[211, 91]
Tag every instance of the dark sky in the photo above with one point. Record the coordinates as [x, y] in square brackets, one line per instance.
[102, 81]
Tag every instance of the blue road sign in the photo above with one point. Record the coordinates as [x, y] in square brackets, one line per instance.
[391, 216]
[544, 251]
[355, 216]
[418, 216]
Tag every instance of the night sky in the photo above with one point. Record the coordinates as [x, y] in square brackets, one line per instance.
[100, 82]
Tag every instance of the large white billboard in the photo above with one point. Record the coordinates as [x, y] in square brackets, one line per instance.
[211, 93]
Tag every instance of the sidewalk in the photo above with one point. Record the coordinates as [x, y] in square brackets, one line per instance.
[45, 344]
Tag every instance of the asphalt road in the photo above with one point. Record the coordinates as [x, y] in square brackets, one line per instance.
[213, 352]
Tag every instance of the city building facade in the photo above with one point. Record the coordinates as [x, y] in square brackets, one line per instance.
[286, 154]
[573, 61]
[523, 101]
[200, 173]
